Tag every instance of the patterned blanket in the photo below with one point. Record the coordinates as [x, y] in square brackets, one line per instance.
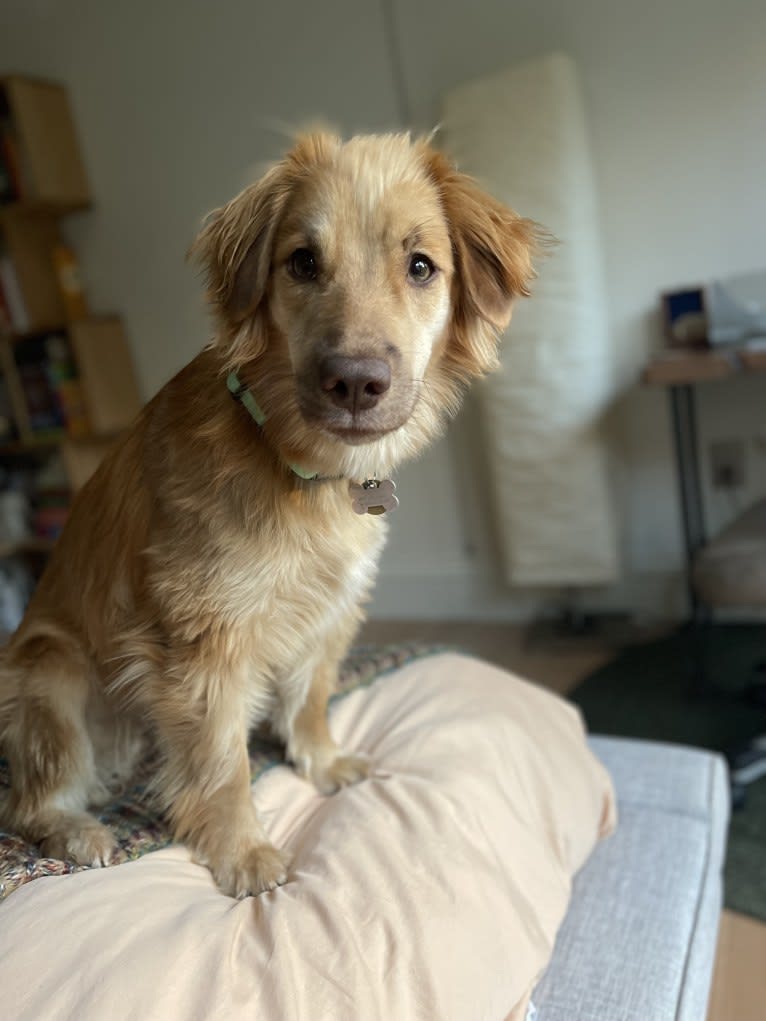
[137, 828]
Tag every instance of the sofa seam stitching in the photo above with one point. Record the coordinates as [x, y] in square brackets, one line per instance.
[700, 897]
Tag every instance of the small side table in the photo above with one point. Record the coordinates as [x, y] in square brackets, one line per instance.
[680, 370]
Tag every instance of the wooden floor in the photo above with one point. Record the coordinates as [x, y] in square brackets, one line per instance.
[739, 984]
[508, 646]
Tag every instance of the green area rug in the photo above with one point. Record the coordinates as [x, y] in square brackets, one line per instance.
[646, 692]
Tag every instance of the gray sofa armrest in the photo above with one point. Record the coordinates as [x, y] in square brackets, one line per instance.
[639, 939]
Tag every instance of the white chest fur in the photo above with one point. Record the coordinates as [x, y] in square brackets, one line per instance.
[288, 591]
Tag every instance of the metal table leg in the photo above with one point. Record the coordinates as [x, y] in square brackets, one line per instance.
[748, 762]
[682, 404]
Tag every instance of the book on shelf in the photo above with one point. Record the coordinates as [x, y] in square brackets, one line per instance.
[8, 431]
[67, 389]
[6, 181]
[13, 298]
[41, 406]
[50, 498]
[13, 169]
[52, 392]
[69, 281]
[5, 312]
[10, 170]
[49, 518]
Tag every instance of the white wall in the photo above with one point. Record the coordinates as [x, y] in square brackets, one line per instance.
[177, 103]
[176, 100]
[676, 98]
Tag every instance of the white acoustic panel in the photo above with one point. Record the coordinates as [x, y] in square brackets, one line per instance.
[523, 134]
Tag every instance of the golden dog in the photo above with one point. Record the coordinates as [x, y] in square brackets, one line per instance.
[211, 572]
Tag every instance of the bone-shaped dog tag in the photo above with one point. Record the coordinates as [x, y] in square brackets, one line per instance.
[373, 496]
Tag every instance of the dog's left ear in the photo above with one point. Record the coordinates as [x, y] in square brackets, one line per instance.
[235, 251]
[494, 250]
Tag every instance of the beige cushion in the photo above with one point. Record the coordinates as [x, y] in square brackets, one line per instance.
[731, 570]
[432, 891]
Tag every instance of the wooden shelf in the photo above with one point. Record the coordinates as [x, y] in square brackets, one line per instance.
[754, 359]
[49, 163]
[61, 326]
[32, 545]
[18, 337]
[41, 207]
[22, 448]
[679, 366]
[676, 367]
[29, 241]
[86, 381]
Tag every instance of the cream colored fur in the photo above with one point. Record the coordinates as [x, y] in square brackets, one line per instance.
[200, 587]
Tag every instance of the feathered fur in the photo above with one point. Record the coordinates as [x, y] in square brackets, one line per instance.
[200, 587]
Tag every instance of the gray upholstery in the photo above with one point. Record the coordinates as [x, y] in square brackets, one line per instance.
[638, 942]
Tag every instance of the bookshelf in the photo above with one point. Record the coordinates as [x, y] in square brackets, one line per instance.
[67, 383]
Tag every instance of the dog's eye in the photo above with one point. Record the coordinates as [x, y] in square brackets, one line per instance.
[421, 268]
[303, 264]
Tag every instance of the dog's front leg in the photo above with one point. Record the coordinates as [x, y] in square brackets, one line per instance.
[310, 746]
[205, 787]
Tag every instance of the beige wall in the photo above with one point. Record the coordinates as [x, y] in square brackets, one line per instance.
[676, 98]
[177, 103]
[176, 100]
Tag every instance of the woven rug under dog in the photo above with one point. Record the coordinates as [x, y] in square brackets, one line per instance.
[137, 828]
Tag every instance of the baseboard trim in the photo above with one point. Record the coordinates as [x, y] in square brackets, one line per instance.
[453, 592]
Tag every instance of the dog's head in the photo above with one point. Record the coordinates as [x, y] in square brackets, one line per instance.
[358, 287]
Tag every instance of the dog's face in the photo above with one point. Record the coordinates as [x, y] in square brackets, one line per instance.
[360, 289]
[360, 286]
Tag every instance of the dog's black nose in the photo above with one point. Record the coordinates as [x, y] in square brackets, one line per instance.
[354, 383]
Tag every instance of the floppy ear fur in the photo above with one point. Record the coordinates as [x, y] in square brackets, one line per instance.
[235, 246]
[493, 249]
[235, 250]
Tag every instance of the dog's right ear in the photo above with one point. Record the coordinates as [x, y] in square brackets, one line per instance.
[235, 250]
[494, 250]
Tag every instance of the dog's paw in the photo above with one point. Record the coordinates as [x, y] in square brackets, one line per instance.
[342, 771]
[90, 844]
[261, 868]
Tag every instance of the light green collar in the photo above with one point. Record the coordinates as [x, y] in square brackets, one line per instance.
[241, 393]
[372, 496]
[245, 397]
